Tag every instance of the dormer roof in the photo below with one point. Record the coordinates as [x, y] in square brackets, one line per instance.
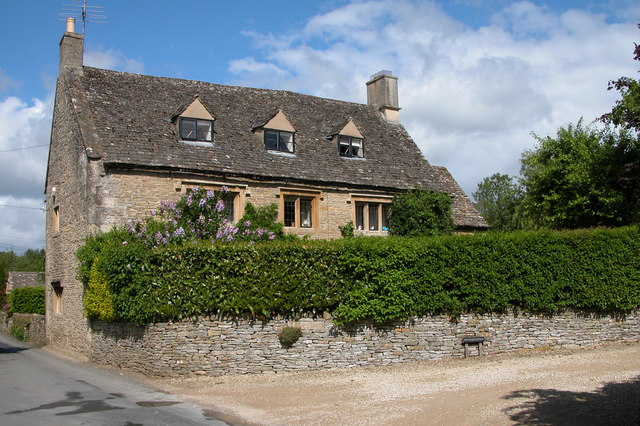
[193, 109]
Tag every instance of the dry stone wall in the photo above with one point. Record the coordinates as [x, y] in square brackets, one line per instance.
[33, 325]
[214, 347]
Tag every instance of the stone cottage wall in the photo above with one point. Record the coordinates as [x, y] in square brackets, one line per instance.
[131, 194]
[34, 326]
[211, 347]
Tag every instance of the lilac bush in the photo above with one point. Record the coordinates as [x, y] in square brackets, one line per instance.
[199, 215]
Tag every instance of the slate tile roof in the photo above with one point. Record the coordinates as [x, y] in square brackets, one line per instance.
[24, 279]
[127, 121]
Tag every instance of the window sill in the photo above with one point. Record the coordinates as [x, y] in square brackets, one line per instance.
[197, 143]
[353, 158]
[282, 154]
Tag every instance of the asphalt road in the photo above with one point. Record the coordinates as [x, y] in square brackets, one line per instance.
[38, 388]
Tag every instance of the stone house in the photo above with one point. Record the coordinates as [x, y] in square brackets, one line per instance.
[23, 279]
[121, 143]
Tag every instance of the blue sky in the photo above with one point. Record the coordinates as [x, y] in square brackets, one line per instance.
[476, 77]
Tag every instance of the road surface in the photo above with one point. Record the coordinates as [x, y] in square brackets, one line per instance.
[38, 388]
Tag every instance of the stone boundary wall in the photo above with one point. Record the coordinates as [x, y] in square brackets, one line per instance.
[214, 347]
[34, 325]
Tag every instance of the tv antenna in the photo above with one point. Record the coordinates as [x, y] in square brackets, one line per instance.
[81, 10]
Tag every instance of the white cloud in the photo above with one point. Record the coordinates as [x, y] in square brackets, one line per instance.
[111, 59]
[469, 97]
[22, 170]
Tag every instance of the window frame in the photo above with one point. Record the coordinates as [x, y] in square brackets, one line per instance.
[350, 144]
[196, 121]
[296, 203]
[366, 210]
[280, 143]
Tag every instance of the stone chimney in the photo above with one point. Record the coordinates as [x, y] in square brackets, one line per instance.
[71, 47]
[382, 92]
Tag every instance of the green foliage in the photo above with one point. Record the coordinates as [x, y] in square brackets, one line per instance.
[98, 297]
[378, 279]
[347, 230]
[419, 212]
[263, 217]
[29, 261]
[497, 199]
[27, 300]
[289, 335]
[579, 179]
[18, 329]
[626, 112]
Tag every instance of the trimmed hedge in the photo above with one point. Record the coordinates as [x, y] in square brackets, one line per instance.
[27, 300]
[378, 279]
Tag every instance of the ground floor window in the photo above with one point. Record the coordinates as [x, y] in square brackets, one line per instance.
[298, 211]
[372, 216]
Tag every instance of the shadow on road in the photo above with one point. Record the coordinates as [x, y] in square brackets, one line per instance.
[612, 404]
[73, 400]
[6, 348]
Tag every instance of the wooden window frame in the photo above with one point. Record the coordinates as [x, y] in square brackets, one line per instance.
[298, 197]
[281, 146]
[362, 214]
[349, 143]
[196, 121]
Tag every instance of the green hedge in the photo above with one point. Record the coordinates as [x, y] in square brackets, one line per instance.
[27, 300]
[379, 279]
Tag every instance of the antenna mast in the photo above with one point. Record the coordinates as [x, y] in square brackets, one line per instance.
[93, 14]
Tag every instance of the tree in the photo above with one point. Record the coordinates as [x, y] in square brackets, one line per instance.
[579, 179]
[419, 212]
[626, 111]
[497, 199]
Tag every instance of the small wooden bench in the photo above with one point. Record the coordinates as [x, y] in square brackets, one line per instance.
[472, 340]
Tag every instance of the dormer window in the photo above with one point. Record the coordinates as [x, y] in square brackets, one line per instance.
[195, 129]
[349, 140]
[350, 146]
[279, 140]
[194, 123]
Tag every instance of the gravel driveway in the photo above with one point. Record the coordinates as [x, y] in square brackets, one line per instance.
[553, 387]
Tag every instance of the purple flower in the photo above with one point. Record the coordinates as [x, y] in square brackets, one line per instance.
[202, 202]
[124, 243]
[210, 194]
[224, 189]
[153, 213]
[247, 224]
[220, 205]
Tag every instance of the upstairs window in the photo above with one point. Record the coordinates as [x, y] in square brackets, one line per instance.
[279, 140]
[350, 146]
[195, 129]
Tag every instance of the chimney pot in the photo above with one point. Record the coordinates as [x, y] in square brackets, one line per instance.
[71, 25]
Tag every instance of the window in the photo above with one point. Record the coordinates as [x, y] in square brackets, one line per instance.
[56, 219]
[371, 216]
[278, 140]
[298, 211]
[349, 146]
[229, 201]
[57, 297]
[193, 129]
